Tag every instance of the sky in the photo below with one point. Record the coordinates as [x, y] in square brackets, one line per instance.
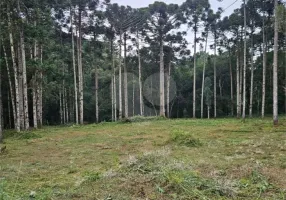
[215, 4]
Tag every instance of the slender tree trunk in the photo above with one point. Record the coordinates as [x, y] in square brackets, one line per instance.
[17, 122]
[208, 112]
[74, 69]
[80, 72]
[215, 109]
[9, 111]
[21, 94]
[112, 81]
[125, 80]
[244, 66]
[10, 86]
[120, 76]
[25, 86]
[204, 72]
[1, 109]
[140, 77]
[231, 83]
[66, 105]
[194, 84]
[114, 86]
[168, 89]
[275, 68]
[162, 81]
[238, 110]
[40, 92]
[263, 71]
[34, 102]
[251, 79]
[96, 95]
[133, 94]
[61, 107]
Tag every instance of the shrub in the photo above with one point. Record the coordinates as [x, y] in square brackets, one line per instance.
[185, 138]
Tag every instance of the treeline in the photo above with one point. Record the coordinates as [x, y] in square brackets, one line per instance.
[77, 61]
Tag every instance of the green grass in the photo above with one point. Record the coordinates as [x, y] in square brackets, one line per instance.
[147, 159]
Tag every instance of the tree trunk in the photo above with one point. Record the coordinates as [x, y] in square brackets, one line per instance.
[40, 84]
[10, 86]
[74, 69]
[1, 109]
[17, 122]
[34, 102]
[21, 94]
[162, 81]
[231, 83]
[125, 80]
[140, 77]
[208, 112]
[133, 94]
[244, 66]
[114, 86]
[120, 77]
[238, 109]
[251, 79]
[61, 107]
[194, 83]
[215, 110]
[275, 68]
[168, 89]
[96, 95]
[25, 86]
[204, 72]
[9, 111]
[263, 71]
[112, 99]
[80, 72]
[112, 82]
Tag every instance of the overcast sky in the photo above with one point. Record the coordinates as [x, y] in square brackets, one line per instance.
[215, 4]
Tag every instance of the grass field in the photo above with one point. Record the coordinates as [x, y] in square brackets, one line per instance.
[159, 159]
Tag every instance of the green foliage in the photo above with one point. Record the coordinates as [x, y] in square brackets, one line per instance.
[25, 135]
[91, 176]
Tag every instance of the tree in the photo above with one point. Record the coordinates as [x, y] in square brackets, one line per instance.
[208, 94]
[162, 19]
[195, 10]
[275, 67]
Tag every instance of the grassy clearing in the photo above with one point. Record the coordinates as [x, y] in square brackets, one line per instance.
[157, 159]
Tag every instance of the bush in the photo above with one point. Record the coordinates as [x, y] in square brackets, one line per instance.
[141, 119]
[185, 138]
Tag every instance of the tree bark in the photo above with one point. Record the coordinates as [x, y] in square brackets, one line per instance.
[34, 102]
[251, 79]
[275, 68]
[1, 109]
[74, 69]
[238, 109]
[263, 70]
[25, 86]
[140, 77]
[162, 81]
[80, 72]
[61, 107]
[120, 76]
[244, 65]
[96, 94]
[231, 83]
[125, 85]
[21, 94]
[10, 85]
[194, 81]
[204, 72]
[17, 122]
[215, 110]
[168, 88]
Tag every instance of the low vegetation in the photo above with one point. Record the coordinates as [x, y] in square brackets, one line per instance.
[153, 159]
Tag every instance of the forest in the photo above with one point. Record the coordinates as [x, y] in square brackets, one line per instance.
[92, 61]
[168, 101]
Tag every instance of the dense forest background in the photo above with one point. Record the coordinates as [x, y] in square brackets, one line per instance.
[85, 61]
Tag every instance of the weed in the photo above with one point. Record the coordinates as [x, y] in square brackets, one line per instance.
[184, 138]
